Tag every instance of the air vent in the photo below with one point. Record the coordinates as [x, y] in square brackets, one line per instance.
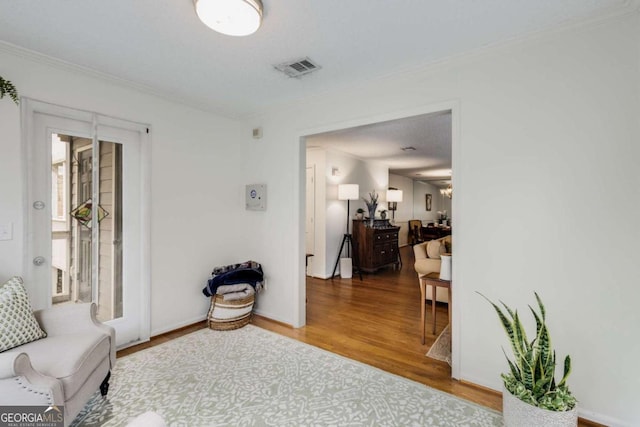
[298, 68]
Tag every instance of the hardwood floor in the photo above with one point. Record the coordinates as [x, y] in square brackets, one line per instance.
[375, 321]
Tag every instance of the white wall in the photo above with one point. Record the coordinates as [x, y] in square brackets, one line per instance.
[546, 138]
[196, 186]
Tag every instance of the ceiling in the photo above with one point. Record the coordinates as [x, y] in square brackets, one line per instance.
[162, 47]
[428, 134]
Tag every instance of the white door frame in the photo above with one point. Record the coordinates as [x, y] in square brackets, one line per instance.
[299, 202]
[110, 129]
[310, 231]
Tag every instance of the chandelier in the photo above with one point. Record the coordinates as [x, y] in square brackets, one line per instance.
[447, 191]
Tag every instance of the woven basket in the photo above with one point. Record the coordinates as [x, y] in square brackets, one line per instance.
[226, 315]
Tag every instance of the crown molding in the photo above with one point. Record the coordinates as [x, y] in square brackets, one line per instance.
[50, 61]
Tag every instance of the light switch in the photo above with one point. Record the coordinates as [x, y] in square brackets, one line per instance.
[6, 231]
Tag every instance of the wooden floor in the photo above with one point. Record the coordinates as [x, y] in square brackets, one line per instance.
[375, 321]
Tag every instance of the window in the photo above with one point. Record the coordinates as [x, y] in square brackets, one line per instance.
[59, 201]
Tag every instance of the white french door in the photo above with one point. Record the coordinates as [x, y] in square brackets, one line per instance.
[87, 223]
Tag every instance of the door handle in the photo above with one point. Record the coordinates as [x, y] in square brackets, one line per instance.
[39, 260]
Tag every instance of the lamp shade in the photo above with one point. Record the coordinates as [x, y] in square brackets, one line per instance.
[230, 17]
[394, 195]
[348, 192]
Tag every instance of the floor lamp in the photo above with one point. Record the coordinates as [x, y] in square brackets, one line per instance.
[393, 197]
[347, 192]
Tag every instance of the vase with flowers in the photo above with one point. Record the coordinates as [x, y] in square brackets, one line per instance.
[372, 205]
[442, 217]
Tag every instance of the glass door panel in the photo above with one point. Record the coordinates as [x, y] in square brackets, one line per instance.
[87, 234]
[72, 174]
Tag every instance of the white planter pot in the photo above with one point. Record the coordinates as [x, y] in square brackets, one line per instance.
[346, 268]
[517, 413]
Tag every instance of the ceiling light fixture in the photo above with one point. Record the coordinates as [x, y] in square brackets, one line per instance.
[448, 192]
[230, 17]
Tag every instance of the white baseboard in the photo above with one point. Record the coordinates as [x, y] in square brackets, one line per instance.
[601, 419]
[271, 316]
[323, 277]
[178, 325]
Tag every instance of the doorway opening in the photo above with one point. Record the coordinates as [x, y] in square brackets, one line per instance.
[420, 167]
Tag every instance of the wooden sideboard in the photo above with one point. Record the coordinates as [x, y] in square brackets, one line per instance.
[376, 246]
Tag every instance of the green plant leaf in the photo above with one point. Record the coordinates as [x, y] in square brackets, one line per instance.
[506, 324]
[567, 371]
[542, 310]
[7, 88]
[532, 369]
[515, 371]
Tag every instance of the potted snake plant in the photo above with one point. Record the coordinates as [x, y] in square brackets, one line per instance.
[531, 395]
[7, 88]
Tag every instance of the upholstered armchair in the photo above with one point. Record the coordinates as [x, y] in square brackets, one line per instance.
[66, 367]
[427, 256]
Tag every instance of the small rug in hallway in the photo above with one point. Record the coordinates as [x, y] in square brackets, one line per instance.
[253, 377]
[441, 348]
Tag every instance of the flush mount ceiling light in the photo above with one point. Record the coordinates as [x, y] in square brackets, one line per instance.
[230, 17]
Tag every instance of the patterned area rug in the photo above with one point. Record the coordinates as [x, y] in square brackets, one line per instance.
[441, 348]
[253, 377]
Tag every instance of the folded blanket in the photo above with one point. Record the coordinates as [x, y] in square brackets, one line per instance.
[235, 292]
[247, 272]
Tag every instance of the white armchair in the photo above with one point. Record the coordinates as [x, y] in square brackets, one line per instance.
[65, 368]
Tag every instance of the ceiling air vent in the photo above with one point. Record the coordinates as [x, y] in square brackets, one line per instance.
[298, 68]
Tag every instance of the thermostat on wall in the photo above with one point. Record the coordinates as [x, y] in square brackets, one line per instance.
[256, 197]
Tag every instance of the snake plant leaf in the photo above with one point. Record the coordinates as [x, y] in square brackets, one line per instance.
[506, 323]
[539, 322]
[520, 336]
[508, 309]
[541, 305]
[567, 370]
[542, 386]
[532, 368]
[515, 371]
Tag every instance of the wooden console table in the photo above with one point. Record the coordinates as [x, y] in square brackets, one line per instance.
[434, 280]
